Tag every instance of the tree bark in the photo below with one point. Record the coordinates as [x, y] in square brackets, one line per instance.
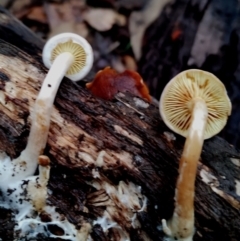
[96, 146]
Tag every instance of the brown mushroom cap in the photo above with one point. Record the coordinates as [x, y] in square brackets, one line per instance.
[177, 101]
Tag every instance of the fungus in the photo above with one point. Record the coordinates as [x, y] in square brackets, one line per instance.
[65, 54]
[108, 82]
[195, 105]
[121, 202]
[21, 191]
[38, 193]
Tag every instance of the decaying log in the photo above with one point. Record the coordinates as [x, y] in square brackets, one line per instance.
[120, 144]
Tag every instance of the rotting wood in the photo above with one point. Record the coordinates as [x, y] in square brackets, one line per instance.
[122, 141]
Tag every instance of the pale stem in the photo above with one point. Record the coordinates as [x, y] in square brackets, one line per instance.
[37, 187]
[182, 223]
[40, 116]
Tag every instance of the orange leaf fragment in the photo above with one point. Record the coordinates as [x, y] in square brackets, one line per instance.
[37, 13]
[176, 33]
[108, 82]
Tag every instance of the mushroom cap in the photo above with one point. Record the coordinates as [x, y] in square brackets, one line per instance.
[74, 44]
[177, 101]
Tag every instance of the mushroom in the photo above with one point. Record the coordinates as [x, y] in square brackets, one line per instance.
[195, 105]
[37, 188]
[65, 54]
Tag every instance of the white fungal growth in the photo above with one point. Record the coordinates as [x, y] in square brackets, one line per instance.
[124, 201]
[27, 199]
[95, 173]
[105, 222]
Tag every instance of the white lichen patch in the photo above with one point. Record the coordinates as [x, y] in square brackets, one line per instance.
[125, 133]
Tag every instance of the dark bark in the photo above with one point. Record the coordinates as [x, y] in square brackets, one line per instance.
[136, 142]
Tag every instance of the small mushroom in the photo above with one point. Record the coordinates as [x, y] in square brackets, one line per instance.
[195, 105]
[65, 54]
[37, 188]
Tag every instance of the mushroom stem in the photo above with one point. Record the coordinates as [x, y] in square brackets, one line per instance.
[181, 226]
[40, 116]
[37, 187]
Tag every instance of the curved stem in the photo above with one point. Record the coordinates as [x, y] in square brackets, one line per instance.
[181, 226]
[40, 116]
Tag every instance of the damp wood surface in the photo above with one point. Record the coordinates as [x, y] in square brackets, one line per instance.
[109, 143]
